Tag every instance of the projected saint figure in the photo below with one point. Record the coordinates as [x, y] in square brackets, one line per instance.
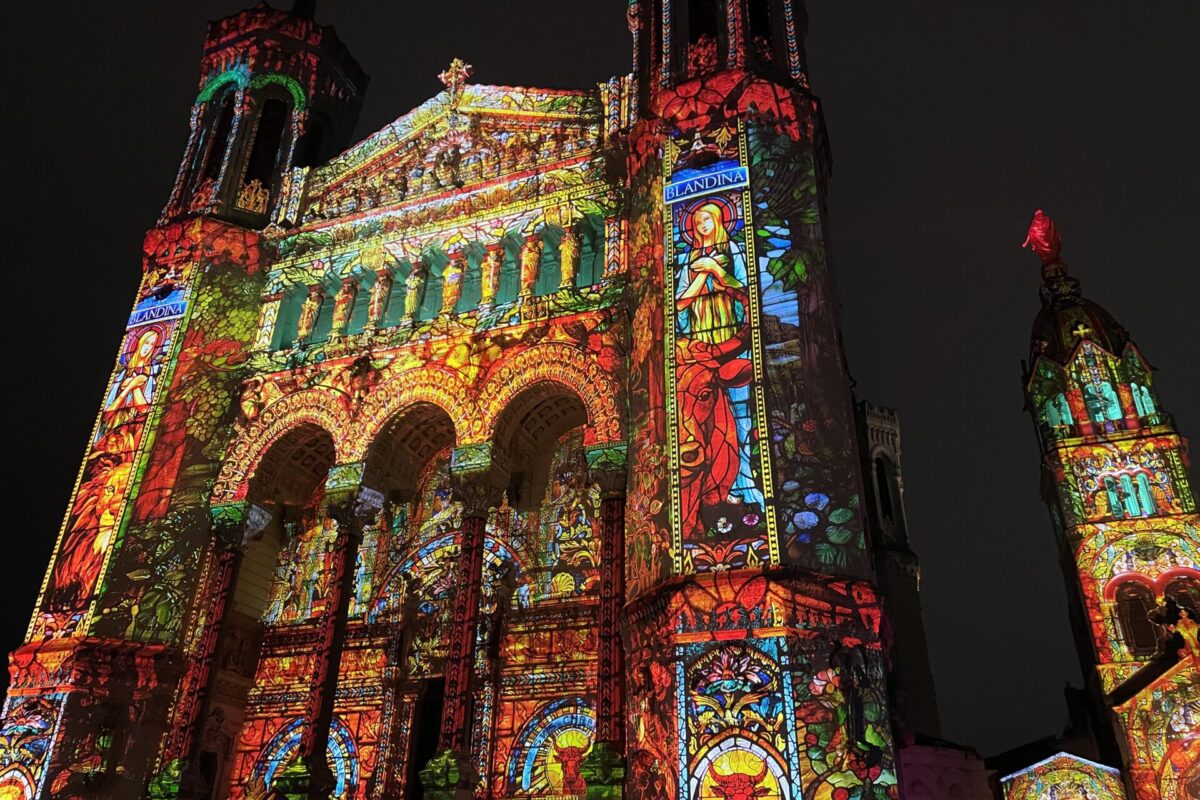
[712, 359]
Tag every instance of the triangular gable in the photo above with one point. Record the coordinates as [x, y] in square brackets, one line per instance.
[441, 145]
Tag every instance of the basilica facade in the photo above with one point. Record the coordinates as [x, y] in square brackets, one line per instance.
[510, 452]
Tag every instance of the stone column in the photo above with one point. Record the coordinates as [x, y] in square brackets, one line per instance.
[478, 484]
[531, 258]
[351, 505]
[568, 256]
[233, 526]
[604, 768]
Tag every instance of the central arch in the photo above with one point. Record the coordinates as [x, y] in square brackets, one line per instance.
[554, 364]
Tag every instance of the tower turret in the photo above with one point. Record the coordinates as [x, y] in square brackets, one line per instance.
[1115, 478]
[278, 92]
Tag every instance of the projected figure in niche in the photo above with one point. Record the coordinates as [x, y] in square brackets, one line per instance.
[711, 309]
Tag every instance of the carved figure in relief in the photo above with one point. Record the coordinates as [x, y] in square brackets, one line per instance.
[412, 291]
[452, 282]
[379, 295]
[308, 314]
[531, 256]
[491, 272]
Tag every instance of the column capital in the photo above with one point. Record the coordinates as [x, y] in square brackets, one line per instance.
[607, 467]
[479, 478]
[237, 524]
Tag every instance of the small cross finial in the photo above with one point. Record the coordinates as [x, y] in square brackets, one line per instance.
[1081, 330]
[455, 75]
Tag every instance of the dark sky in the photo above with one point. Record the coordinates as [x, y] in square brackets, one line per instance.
[951, 122]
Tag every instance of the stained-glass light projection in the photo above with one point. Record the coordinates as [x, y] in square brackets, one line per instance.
[1125, 516]
[1064, 777]
[507, 451]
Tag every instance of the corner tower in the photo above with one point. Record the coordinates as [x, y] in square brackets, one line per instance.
[106, 689]
[1114, 475]
[752, 631]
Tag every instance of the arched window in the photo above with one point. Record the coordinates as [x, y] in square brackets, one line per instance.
[218, 140]
[1134, 602]
[1129, 495]
[704, 23]
[1145, 495]
[1111, 490]
[268, 136]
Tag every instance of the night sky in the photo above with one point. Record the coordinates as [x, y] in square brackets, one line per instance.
[951, 122]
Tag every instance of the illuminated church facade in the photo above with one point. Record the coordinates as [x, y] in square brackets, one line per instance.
[511, 452]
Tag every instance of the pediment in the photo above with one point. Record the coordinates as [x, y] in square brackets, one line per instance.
[456, 139]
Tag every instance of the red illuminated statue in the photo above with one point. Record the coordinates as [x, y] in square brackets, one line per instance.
[1043, 238]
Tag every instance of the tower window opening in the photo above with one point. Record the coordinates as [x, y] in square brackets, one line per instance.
[394, 312]
[510, 277]
[704, 24]
[218, 141]
[1134, 603]
[472, 287]
[549, 276]
[288, 319]
[883, 488]
[254, 195]
[761, 36]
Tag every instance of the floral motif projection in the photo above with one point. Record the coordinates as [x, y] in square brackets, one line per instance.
[1164, 734]
[1064, 777]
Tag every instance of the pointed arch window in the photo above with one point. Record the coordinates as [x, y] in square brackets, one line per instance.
[288, 319]
[549, 276]
[324, 323]
[1134, 603]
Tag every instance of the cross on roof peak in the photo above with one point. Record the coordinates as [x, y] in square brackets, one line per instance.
[455, 75]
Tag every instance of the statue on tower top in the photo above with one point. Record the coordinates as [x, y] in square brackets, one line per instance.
[1043, 238]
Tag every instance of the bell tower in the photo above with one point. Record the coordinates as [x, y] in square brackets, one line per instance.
[752, 628]
[1114, 476]
[278, 93]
